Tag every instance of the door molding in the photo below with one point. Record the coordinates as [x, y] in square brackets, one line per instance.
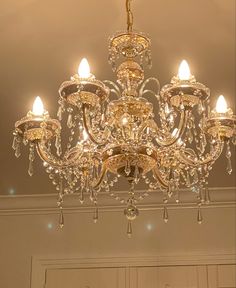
[40, 265]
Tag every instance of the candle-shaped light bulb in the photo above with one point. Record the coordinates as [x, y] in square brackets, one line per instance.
[221, 105]
[38, 108]
[84, 69]
[184, 71]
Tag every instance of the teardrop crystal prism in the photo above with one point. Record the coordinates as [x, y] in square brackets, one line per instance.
[61, 219]
[31, 168]
[129, 229]
[95, 215]
[165, 215]
[199, 216]
[14, 143]
[17, 150]
[70, 121]
[127, 168]
[59, 113]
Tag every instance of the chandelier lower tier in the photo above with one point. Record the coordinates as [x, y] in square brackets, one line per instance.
[121, 138]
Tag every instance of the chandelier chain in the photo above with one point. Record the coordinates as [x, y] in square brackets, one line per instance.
[130, 17]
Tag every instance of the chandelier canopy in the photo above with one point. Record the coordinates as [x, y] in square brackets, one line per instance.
[122, 138]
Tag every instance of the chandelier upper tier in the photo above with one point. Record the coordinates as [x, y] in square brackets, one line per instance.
[121, 138]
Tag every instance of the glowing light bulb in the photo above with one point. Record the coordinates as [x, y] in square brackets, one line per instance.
[84, 69]
[221, 105]
[184, 71]
[38, 108]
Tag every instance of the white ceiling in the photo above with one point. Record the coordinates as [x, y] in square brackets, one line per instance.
[42, 43]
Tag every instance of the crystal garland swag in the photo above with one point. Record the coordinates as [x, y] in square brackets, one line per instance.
[109, 139]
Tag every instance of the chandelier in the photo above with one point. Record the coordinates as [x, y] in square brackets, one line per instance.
[109, 140]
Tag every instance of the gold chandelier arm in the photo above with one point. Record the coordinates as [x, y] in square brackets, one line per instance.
[54, 161]
[88, 129]
[160, 179]
[174, 137]
[130, 17]
[189, 159]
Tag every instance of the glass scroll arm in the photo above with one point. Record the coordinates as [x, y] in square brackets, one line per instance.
[187, 156]
[54, 161]
[115, 88]
[87, 126]
[177, 133]
[143, 91]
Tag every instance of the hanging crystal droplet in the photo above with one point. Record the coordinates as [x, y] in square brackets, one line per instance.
[81, 196]
[129, 229]
[31, 168]
[17, 149]
[199, 216]
[59, 113]
[200, 108]
[95, 215]
[228, 156]
[177, 195]
[136, 174]
[127, 168]
[207, 196]
[195, 176]
[61, 218]
[234, 139]
[70, 121]
[188, 182]
[165, 215]
[14, 143]
[31, 159]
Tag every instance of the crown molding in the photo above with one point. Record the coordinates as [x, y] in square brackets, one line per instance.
[46, 204]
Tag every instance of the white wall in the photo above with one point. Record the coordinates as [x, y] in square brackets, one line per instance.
[30, 234]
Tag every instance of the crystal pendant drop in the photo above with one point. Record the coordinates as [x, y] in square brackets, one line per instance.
[199, 215]
[31, 159]
[81, 196]
[136, 174]
[165, 215]
[207, 196]
[187, 181]
[17, 150]
[61, 218]
[95, 215]
[195, 176]
[234, 140]
[129, 229]
[14, 143]
[59, 113]
[228, 156]
[31, 168]
[127, 168]
[69, 121]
